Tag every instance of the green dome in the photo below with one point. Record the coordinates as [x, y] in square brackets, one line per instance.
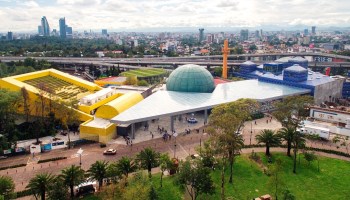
[190, 78]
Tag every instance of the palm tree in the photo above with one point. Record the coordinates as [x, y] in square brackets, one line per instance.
[268, 137]
[98, 171]
[148, 159]
[287, 134]
[40, 184]
[72, 176]
[7, 186]
[126, 166]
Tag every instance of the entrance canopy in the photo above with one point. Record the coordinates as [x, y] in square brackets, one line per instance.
[170, 103]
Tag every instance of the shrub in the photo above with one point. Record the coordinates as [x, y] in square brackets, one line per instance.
[52, 159]
[12, 166]
[23, 193]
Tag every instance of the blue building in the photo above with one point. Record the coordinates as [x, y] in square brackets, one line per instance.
[294, 72]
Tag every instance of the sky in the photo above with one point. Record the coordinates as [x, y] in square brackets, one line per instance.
[124, 15]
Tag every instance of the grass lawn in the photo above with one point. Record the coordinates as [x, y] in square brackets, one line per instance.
[144, 72]
[332, 182]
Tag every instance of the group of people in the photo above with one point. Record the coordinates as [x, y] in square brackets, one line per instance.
[128, 140]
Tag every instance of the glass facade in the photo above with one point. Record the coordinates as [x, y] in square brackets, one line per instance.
[190, 78]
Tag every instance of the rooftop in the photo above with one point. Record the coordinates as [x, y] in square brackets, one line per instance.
[168, 103]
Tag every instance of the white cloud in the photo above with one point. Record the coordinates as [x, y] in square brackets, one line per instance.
[21, 15]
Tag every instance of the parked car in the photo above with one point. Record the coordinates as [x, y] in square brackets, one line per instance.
[110, 152]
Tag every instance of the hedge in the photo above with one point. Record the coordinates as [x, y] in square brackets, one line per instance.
[52, 159]
[339, 153]
[23, 193]
[12, 166]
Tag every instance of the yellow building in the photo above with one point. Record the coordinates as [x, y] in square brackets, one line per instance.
[58, 86]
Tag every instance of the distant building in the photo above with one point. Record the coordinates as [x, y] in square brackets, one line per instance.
[257, 34]
[201, 34]
[45, 26]
[313, 30]
[244, 35]
[69, 31]
[210, 38]
[40, 30]
[306, 31]
[63, 32]
[9, 35]
[104, 32]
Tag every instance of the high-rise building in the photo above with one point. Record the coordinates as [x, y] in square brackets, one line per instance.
[9, 35]
[313, 30]
[63, 32]
[306, 31]
[201, 34]
[257, 34]
[244, 35]
[104, 32]
[40, 30]
[45, 26]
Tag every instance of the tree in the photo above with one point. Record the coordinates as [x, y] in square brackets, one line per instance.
[26, 104]
[275, 182]
[298, 142]
[207, 153]
[195, 178]
[292, 110]
[98, 171]
[72, 176]
[344, 141]
[7, 187]
[165, 164]
[40, 184]
[269, 138]
[142, 83]
[58, 190]
[125, 166]
[138, 188]
[148, 159]
[309, 156]
[287, 195]
[225, 122]
[287, 134]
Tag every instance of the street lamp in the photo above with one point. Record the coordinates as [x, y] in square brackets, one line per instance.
[80, 151]
[251, 132]
[175, 135]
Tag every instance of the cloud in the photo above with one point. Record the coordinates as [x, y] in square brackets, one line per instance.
[22, 15]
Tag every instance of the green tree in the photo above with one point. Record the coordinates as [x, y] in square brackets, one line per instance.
[287, 195]
[269, 138]
[165, 164]
[225, 122]
[343, 140]
[72, 176]
[207, 153]
[195, 178]
[40, 184]
[287, 134]
[298, 142]
[57, 190]
[142, 83]
[138, 188]
[292, 110]
[309, 156]
[98, 171]
[148, 159]
[276, 182]
[126, 166]
[7, 187]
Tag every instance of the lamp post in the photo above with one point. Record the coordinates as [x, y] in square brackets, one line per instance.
[175, 135]
[80, 151]
[251, 132]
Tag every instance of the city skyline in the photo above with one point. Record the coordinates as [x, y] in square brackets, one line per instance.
[142, 14]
